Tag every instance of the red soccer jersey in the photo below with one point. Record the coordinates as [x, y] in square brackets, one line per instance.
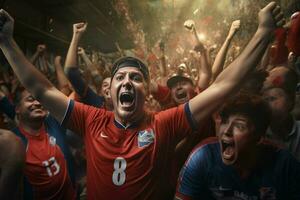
[163, 96]
[293, 41]
[128, 163]
[46, 168]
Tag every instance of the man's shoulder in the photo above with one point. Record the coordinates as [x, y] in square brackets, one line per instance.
[207, 150]
[275, 155]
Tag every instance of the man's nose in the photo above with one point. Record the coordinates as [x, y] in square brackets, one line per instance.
[127, 82]
[228, 129]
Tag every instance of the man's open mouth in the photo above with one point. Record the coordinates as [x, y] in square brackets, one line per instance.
[228, 149]
[181, 94]
[127, 99]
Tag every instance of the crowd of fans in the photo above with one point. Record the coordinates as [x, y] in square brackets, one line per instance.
[217, 121]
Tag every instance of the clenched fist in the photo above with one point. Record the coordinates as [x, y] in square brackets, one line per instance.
[235, 26]
[40, 48]
[270, 17]
[189, 24]
[79, 28]
[6, 26]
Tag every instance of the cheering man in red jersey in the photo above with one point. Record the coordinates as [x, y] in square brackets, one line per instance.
[128, 150]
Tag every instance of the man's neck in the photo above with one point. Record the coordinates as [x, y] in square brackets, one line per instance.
[129, 122]
[32, 127]
[247, 164]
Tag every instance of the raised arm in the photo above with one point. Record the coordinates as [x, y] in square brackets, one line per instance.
[39, 51]
[12, 160]
[92, 67]
[34, 81]
[63, 82]
[204, 68]
[221, 56]
[78, 30]
[204, 104]
[163, 62]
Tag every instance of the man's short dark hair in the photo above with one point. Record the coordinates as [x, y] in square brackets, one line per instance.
[130, 62]
[18, 95]
[249, 105]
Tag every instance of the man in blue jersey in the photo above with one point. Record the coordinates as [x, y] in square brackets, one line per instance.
[240, 164]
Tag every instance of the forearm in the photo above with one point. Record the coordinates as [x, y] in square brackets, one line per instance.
[28, 75]
[34, 57]
[62, 80]
[86, 60]
[71, 59]
[204, 73]
[247, 61]
[163, 66]
[231, 78]
[220, 58]
[34, 81]
[266, 59]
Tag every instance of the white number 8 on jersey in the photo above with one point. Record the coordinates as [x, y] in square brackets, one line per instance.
[119, 175]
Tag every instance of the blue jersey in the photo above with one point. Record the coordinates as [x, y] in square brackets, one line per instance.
[205, 176]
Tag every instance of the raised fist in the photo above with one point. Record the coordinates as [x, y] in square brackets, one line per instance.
[79, 28]
[80, 51]
[212, 48]
[235, 26]
[6, 26]
[270, 16]
[40, 48]
[189, 24]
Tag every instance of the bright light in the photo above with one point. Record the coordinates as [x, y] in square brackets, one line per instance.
[196, 11]
[201, 36]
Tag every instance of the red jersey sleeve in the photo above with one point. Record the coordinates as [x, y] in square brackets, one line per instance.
[280, 52]
[176, 123]
[293, 42]
[79, 116]
[163, 95]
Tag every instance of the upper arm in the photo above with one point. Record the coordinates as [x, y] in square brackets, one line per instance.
[80, 116]
[12, 160]
[204, 104]
[176, 123]
[56, 102]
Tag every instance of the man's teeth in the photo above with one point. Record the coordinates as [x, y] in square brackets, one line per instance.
[228, 149]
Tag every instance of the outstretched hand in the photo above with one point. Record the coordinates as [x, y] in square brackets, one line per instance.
[6, 26]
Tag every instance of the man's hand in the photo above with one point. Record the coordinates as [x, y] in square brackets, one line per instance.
[80, 51]
[6, 26]
[40, 48]
[269, 17]
[235, 26]
[212, 48]
[57, 60]
[79, 28]
[189, 24]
